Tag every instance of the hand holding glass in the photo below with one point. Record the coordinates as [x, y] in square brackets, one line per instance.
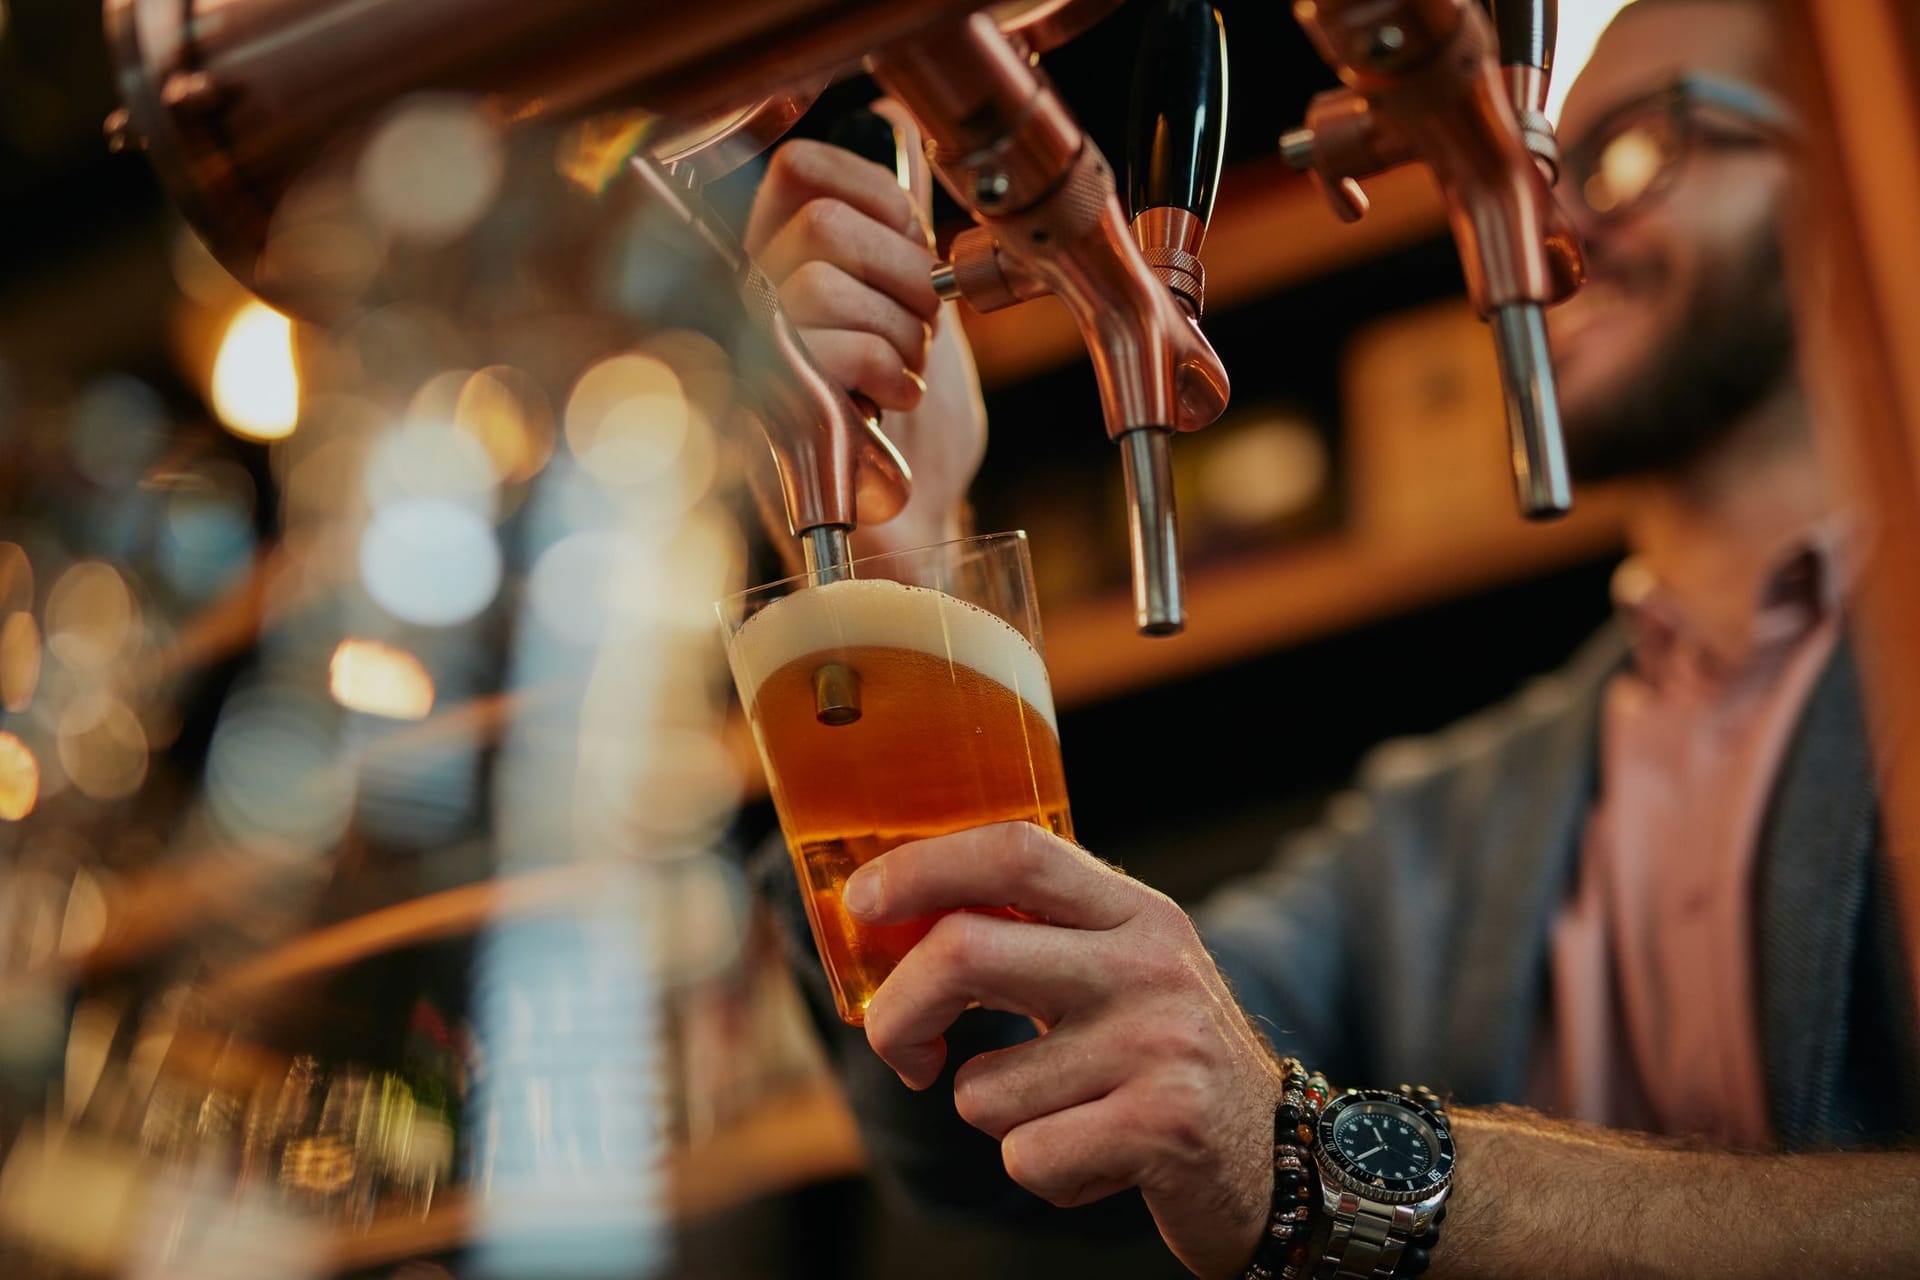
[905, 702]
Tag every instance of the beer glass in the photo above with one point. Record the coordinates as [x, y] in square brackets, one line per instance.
[907, 701]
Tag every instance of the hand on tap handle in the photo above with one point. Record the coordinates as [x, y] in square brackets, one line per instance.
[850, 253]
[831, 464]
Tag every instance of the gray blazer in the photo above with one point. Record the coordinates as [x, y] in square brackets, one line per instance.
[1405, 939]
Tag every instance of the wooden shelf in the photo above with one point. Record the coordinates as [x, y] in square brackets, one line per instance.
[1289, 596]
[1292, 595]
[1271, 228]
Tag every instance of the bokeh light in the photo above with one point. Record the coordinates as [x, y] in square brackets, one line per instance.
[19, 660]
[627, 419]
[207, 534]
[256, 385]
[507, 412]
[19, 778]
[431, 460]
[90, 616]
[274, 771]
[430, 561]
[118, 427]
[431, 169]
[102, 747]
[16, 577]
[379, 680]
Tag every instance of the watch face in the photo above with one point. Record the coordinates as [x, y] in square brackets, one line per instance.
[1385, 1145]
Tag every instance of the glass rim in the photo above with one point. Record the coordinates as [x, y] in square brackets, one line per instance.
[1017, 535]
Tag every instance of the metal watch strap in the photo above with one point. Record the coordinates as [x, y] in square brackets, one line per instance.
[1367, 1240]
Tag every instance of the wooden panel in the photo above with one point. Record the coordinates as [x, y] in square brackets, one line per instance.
[1856, 262]
[1289, 596]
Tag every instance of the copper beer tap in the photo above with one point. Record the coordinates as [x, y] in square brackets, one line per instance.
[233, 99]
[1424, 81]
[1050, 222]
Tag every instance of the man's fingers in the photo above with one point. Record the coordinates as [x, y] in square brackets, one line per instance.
[853, 240]
[820, 295]
[866, 363]
[805, 170]
[1013, 965]
[1082, 1154]
[1000, 1091]
[919, 174]
[1008, 864]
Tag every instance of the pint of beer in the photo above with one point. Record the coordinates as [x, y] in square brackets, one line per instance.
[887, 711]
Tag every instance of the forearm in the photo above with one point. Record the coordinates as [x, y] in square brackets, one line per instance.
[1535, 1196]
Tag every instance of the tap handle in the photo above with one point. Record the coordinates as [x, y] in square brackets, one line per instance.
[1177, 127]
[1527, 31]
[870, 135]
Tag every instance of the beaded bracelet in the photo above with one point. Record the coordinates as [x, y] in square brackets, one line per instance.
[1283, 1253]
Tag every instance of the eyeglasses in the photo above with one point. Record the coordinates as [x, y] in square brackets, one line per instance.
[1631, 157]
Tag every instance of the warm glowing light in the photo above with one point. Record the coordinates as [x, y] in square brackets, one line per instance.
[90, 615]
[256, 388]
[1581, 22]
[380, 680]
[19, 661]
[102, 747]
[505, 410]
[627, 419]
[431, 460]
[1263, 471]
[16, 577]
[19, 778]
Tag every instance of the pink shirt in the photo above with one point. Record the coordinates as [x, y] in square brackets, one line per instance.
[1654, 1022]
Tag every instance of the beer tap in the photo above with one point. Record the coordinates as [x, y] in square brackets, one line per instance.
[835, 465]
[1050, 221]
[1427, 80]
[233, 99]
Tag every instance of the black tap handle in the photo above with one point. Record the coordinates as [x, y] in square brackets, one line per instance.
[1528, 30]
[867, 134]
[1177, 128]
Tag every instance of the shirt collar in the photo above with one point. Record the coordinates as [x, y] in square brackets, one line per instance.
[1759, 604]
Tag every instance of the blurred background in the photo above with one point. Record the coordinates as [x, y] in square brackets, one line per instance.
[372, 812]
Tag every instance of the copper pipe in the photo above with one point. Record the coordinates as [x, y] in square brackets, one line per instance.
[232, 99]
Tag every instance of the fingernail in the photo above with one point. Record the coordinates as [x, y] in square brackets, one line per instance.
[861, 894]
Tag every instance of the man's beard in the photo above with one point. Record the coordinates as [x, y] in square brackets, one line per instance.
[1733, 348]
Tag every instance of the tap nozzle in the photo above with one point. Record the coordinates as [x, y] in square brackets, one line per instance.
[1533, 412]
[1153, 532]
[827, 553]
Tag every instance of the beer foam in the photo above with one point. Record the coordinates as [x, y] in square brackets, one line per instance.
[876, 611]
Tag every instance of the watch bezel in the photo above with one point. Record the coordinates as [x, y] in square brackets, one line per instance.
[1422, 1186]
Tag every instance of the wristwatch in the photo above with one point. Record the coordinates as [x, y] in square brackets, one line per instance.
[1386, 1164]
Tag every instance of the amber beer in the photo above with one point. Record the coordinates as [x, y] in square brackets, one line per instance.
[955, 729]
